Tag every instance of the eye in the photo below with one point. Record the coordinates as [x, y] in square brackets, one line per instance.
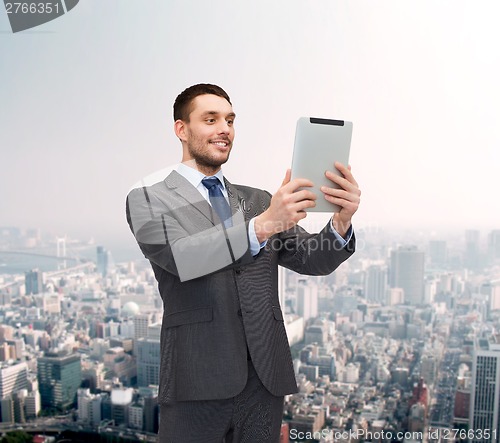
[210, 120]
[230, 122]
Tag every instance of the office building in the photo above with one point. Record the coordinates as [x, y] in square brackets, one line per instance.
[136, 416]
[376, 284]
[89, 407]
[59, 378]
[485, 388]
[121, 399]
[407, 273]
[307, 299]
[13, 377]
[141, 325]
[148, 361]
[103, 260]
[151, 409]
[494, 245]
[33, 282]
[438, 254]
[7, 408]
[33, 404]
[472, 257]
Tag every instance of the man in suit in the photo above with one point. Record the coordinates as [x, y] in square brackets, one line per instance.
[215, 248]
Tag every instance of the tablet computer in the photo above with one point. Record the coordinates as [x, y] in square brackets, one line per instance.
[319, 142]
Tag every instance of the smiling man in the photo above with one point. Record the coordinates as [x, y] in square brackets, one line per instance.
[215, 248]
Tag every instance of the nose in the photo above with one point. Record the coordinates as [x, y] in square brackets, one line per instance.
[223, 127]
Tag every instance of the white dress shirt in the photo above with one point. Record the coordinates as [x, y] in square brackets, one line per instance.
[195, 177]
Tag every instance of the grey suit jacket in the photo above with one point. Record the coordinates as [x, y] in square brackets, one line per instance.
[219, 306]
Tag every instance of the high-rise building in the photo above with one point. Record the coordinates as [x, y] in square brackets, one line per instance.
[485, 392]
[307, 299]
[494, 245]
[472, 250]
[141, 325]
[13, 377]
[33, 281]
[376, 283]
[148, 361]
[7, 408]
[461, 409]
[59, 377]
[151, 408]
[33, 404]
[407, 272]
[104, 260]
[438, 253]
[136, 416]
[121, 399]
[89, 407]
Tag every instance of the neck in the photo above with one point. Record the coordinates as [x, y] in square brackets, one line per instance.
[204, 169]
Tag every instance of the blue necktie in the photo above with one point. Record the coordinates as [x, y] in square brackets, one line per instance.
[218, 200]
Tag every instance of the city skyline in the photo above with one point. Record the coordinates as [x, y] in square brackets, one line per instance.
[369, 356]
[86, 112]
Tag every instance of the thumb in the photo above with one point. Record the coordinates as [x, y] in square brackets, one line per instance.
[287, 177]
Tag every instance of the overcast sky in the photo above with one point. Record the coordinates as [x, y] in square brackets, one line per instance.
[86, 103]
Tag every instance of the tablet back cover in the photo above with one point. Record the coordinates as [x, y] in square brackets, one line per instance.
[318, 144]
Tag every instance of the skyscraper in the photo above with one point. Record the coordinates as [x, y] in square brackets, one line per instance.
[438, 253]
[104, 260]
[13, 377]
[141, 325]
[472, 258]
[494, 245]
[376, 283]
[148, 361]
[307, 299]
[33, 281]
[407, 272]
[59, 378]
[485, 395]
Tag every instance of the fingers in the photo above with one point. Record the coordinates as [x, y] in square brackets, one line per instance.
[288, 175]
[303, 194]
[349, 196]
[297, 183]
[347, 182]
[346, 172]
[304, 204]
[353, 196]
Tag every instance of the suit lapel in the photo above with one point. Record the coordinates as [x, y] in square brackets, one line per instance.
[190, 194]
[232, 193]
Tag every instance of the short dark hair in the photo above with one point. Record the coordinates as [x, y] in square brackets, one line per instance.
[182, 104]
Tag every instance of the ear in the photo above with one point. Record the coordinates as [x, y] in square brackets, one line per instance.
[180, 130]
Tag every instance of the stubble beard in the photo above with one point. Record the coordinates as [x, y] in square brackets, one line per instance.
[199, 150]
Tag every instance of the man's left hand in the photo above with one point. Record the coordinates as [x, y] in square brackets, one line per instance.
[347, 197]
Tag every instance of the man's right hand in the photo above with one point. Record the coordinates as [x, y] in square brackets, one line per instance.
[287, 207]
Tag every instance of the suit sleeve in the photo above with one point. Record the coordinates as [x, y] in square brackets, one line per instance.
[164, 240]
[312, 254]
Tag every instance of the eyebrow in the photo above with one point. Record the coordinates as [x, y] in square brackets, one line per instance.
[231, 114]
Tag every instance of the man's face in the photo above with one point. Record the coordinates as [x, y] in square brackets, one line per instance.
[209, 134]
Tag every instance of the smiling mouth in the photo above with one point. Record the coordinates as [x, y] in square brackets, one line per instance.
[220, 143]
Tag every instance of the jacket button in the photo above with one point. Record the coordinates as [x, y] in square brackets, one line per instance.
[239, 313]
[237, 270]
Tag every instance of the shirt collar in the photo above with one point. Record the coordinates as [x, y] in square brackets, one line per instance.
[194, 176]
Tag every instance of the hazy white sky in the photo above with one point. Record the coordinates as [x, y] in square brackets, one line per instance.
[86, 103]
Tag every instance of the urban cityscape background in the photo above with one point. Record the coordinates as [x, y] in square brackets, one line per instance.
[401, 343]
[401, 337]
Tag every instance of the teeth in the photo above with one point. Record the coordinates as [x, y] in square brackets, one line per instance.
[220, 144]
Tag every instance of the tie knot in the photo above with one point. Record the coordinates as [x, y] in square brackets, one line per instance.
[210, 182]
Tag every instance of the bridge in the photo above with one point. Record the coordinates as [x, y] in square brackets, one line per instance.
[51, 256]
